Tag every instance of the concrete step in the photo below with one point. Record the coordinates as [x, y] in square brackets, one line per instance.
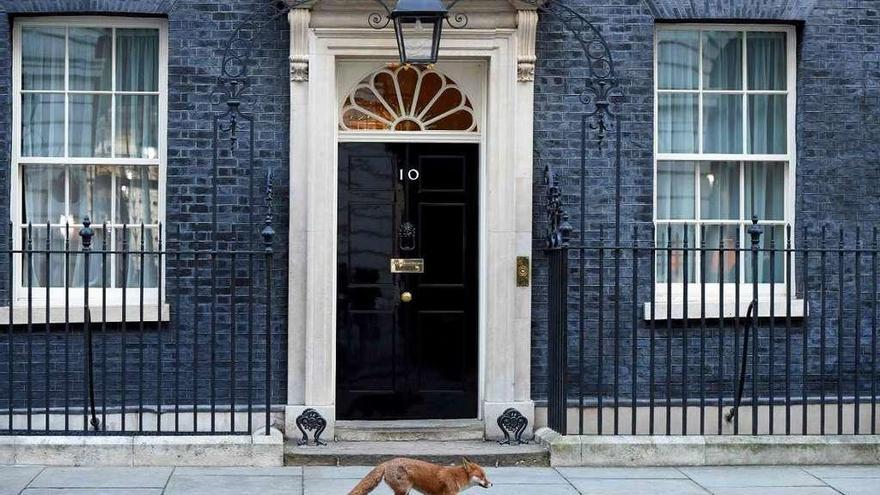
[409, 431]
[373, 453]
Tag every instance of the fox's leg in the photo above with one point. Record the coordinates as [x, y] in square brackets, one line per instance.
[398, 481]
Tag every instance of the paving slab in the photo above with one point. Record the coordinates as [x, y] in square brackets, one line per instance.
[636, 487]
[13, 479]
[340, 472]
[498, 476]
[750, 476]
[778, 490]
[521, 489]
[843, 471]
[855, 486]
[239, 471]
[92, 491]
[620, 473]
[102, 477]
[330, 486]
[524, 476]
[234, 485]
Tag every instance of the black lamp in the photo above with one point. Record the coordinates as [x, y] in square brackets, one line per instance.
[418, 25]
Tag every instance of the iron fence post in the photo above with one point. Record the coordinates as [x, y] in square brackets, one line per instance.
[755, 235]
[268, 234]
[87, 233]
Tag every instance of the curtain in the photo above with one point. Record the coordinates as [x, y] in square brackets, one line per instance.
[42, 58]
[42, 124]
[765, 198]
[722, 60]
[137, 193]
[722, 123]
[137, 116]
[90, 190]
[767, 61]
[42, 69]
[42, 203]
[767, 70]
[767, 124]
[679, 59]
[675, 191]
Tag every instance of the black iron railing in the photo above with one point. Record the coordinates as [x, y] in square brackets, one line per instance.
[659, 334]
[163, 335]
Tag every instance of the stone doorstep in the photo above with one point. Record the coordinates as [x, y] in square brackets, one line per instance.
[256, 450]
[409, 431]
[632, 451]
[440, 452]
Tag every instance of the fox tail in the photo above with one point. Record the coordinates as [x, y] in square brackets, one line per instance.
[370, 481]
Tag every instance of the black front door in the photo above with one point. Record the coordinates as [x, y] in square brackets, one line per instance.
[407, 337]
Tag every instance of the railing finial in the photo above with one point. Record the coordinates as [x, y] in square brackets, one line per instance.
[755, 233]
[86, 233]
[268, 232]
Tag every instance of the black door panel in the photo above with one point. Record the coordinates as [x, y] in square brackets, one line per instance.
[417, 359]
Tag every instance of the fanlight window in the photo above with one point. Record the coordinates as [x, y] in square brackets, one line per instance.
[407, 98]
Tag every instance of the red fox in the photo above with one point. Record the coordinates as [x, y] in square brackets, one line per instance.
[404, 475]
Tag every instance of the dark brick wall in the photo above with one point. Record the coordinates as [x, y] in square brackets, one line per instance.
[837, 186]
[838, 127]
[198, 30]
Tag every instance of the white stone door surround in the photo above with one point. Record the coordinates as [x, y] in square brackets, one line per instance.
[501, 38]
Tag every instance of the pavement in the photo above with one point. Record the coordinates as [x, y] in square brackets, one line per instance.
[759, 480]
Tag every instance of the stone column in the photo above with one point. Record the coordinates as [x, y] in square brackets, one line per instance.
[508, 371]
[309, 355]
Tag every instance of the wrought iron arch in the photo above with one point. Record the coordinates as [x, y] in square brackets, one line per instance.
[600, 89]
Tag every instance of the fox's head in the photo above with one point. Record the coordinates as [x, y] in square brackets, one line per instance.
[475, 474]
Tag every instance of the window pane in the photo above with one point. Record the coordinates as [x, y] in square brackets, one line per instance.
[718, 237]
[36, 264]
[722, 124]
[42, 58]
[42, 194]
[137, 195]
[91, 192]
[722, 60]
[678, 59]
[129, 267]
[89, 125]
[675, 191]
[137, 60]
[719, 191]
[91, 51]
[42, 125]
[677, 123]
[766, 60]
[767, 124]
[137, 126]
[670, 256]
[767, 198]
[772, 236]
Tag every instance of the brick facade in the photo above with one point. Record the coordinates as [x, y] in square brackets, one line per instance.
[197, 31]
[838, 113]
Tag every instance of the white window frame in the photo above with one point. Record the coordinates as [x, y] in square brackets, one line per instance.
[765, 290]
[74, 299]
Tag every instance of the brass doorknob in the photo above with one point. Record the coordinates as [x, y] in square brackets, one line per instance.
[406, 297]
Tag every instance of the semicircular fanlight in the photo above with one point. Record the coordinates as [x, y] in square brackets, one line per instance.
[407, 98]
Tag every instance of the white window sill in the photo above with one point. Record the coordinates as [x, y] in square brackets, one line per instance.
[799, 309]
[75, 314]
